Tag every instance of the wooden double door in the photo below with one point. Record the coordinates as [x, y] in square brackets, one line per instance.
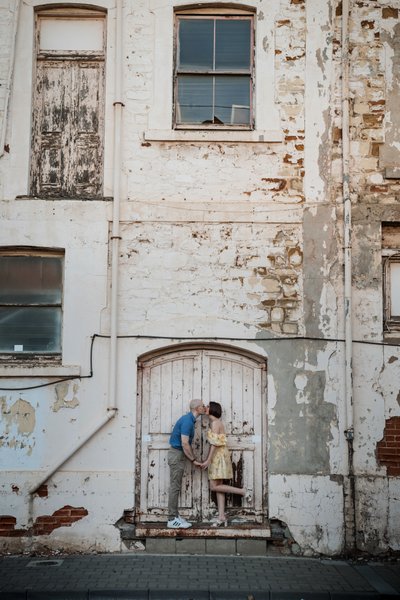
[167, 383]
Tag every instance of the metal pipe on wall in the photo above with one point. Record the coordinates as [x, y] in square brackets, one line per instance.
[9, 79]
[111, 407]
[347, 218]
[115, 236]
[347, 235]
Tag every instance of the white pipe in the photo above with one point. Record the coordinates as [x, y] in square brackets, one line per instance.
[347, 222]
[111, 408]
[74, 448]
[118, 105]
[9, 78]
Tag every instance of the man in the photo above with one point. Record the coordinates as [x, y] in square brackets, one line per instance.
[180, 450]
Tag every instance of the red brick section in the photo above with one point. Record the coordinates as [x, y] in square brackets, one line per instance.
[42, 491]
[64, 517]
[388, 449]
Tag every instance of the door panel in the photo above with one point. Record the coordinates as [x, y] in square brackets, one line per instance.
[168, 383]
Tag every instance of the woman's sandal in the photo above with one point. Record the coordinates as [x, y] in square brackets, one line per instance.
[219, 523]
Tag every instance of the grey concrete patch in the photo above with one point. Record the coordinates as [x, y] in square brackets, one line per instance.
[119, 595]
[373, 577]
[56, 595]
[300, 596]
[221, 546]
[251, 547]
[239, 596]
[191, 546]
[160, 546]
[178, 595]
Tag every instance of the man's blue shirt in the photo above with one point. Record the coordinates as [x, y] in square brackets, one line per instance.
[183, 426]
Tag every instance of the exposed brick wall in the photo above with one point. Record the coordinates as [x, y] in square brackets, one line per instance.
[7, 527]
[45, 524]
[388, 449]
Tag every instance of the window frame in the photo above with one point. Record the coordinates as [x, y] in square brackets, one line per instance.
[214, 14]
[74, 58]
[267, 118]
[391, 323]
[22, 251]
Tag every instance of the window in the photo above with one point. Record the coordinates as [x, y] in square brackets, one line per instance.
[214, 71]
[68, 120]
[30, 301]
[391, 276]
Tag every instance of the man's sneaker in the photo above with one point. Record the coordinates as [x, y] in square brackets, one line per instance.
[188, 523]
[178, 523]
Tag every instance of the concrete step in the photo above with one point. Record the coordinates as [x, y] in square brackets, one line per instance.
[234, 531]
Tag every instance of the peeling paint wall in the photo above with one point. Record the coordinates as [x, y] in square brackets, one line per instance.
[240, 239]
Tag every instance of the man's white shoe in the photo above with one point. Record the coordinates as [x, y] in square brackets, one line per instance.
[188, 523]
[178, 523]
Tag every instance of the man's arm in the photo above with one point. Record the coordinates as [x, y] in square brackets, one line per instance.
[187, 448]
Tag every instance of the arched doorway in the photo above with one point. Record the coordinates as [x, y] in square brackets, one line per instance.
[168, 380]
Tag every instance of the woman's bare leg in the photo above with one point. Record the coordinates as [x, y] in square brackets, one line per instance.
[216, 485]
[221, 506]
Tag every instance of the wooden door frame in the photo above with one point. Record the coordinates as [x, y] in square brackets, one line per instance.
[143, 359]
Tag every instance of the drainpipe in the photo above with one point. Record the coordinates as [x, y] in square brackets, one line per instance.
[348, 375]
[112, 407]
[9, 78]
[115, 237]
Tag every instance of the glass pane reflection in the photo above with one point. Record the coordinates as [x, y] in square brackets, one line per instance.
[232, 100]
[195, 99]
[31, 329]
[196, 41]
[30, 279]
[232, 44]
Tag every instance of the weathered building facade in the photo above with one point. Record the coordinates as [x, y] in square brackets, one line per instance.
[200, 201]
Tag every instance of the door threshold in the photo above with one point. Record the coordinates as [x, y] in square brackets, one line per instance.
[205, 530]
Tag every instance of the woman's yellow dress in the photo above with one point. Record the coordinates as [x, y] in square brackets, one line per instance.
[220, 466]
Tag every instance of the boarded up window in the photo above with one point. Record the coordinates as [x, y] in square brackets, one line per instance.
[391, 276]
[67, 140]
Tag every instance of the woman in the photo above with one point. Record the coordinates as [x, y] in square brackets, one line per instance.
[219, 462]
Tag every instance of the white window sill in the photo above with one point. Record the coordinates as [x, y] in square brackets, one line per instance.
[30, 370]
[221, 135]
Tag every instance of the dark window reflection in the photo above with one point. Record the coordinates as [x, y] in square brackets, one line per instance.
[223, 100]
[232, 45]
[32, 329]
[30, 303]
[196, 44]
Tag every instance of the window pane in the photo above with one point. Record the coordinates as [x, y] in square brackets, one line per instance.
[232, 45]
[195, 98]
[196, 41]
[71, 34]
[30, 329]
[30, 279]
[232, 100]
[395, 289]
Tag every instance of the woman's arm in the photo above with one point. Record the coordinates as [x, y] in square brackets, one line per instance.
[206, 463]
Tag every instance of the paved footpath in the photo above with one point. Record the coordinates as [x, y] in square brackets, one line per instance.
[188, 577]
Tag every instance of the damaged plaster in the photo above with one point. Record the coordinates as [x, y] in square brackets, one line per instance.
[300, 431]
[62, 391]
